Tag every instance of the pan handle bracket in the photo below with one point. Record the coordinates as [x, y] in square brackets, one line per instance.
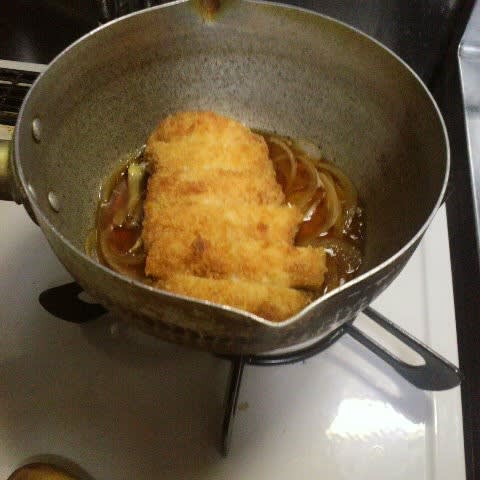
[63, 302]
[437, 373]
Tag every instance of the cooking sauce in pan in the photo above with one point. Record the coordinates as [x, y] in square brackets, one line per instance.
[333, 214]
[116, 239]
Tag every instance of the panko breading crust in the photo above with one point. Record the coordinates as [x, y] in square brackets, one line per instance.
[216, 226]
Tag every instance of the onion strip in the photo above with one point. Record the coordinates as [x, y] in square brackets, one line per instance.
[312, 170]
[345, 183]
[309, 148]
[349, 193]
[303, 199]
[291, 160]
[334, 209]
[118, 262]
[136, 176]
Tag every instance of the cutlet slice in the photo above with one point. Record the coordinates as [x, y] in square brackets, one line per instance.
[204, 140]
[216, 256]
[206, 124]
[270, 224]
[227, 186]
[260, 299]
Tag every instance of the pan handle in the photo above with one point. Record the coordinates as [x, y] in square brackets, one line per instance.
[10, 186]
[5, 173]
[111, 9]
[436, 373]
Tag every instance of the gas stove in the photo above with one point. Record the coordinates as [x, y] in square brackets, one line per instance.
[106, 401]
[124, 405]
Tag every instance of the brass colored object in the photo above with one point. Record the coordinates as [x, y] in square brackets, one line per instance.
[208, 8]
[4, 170]
[40, 471]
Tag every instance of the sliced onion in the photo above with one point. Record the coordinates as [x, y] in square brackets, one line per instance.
[120, 263]
[312, 170]
[349, 193]
[318, 198]
[333, 203]
[113, 182]
[291, 159]
[312, 225]
[120, 216]
[304, 199]
[113, 209]
[309, 148]
[348, 189]
[136, 177]
[345, 183]
[137, 246]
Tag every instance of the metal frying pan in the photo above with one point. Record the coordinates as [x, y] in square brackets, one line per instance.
[274, 68]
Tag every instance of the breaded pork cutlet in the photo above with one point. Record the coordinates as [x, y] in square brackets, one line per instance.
[216, 225]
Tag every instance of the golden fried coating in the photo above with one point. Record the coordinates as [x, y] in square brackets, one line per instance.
[258, 298]
[223, 186]
[212, 255]
[265, 223]
[216, 225]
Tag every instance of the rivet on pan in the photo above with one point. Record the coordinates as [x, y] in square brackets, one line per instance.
[54, 201]
[37, 130]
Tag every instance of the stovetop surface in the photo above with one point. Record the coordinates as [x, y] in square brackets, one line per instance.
[123, 405]
[424, 33]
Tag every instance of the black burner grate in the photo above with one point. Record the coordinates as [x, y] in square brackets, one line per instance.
[14, 85]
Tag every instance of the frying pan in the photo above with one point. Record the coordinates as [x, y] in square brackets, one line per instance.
[271, 66]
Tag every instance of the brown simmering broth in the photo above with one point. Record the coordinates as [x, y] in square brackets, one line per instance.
[333, 215]
[116, 239]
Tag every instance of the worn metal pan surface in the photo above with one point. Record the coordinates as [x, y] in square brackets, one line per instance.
[274, 68]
